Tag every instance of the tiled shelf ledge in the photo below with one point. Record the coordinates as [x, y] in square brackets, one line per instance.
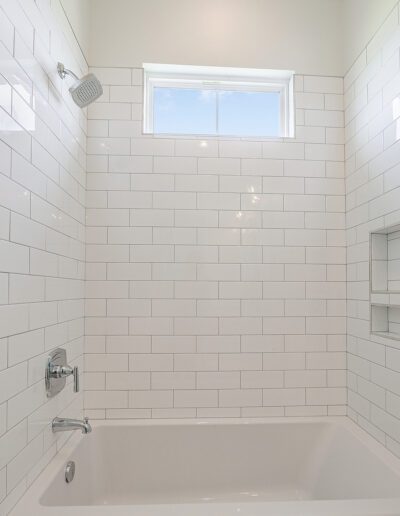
[386, 335]
[385, 298]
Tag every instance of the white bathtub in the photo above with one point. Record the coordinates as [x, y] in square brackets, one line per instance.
[219, 468]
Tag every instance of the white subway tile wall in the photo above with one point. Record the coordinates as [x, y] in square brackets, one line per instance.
[42, 234]
[372, 100]
[216, 268]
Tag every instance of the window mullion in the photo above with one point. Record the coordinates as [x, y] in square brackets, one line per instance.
[217, 112]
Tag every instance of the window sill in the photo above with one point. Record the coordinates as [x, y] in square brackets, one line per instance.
[220, 137]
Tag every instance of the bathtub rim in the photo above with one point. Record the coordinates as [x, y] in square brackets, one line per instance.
[371, 507]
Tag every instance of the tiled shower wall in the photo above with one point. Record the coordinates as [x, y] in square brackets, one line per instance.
[216, 269]
[42, 217]
[372, 100]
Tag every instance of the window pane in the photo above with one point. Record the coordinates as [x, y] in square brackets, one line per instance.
[243, 113]
[184, 111]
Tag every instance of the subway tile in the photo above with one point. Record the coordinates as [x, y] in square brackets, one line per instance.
[262, 167]
[283, 397]
[217, 272]
[24, 403]
[261, 379]
[240, 362]
[143, 289]
[196, 289]
[240, 397]
[240, 290]
[109, 111]
[13, 380]
[174, 235]
[240, 149]
[305, 379]
[151, 399]
[326, 396]
[107, 253]
[105, 399]
[201, 148]
[279, 150]
[173, 380]
[113, 76]
[173, 308]
[106, 146]
[218, 201]
[14, 196]
[96, 181]
[26, 289]
[122, 164]
[319, 84]
[13, 442]
[284, 325]
[173, 200]
[129, 94]
[196, 218]
[219, 166]
[196, 398]
[218, 380]
[14, 319]
[196, 325]
[218, 344]
[288, 185]
[166, 164]
[120, 344]
[219, 308]
[23, 462]
[196, 183]
[328, 152]
[123, 272]
[196, 254]
[264, 202]
[196, 362]
[150, 326]
[240, 219]
[151, 362]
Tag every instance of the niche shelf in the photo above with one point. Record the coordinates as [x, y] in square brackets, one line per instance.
[384, 265]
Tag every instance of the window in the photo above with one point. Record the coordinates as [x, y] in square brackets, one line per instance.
[187, 100]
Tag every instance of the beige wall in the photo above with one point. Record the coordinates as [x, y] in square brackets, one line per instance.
[300, 35]
[227, 32]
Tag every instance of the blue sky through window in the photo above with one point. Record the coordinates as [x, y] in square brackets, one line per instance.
[184, 111]
[194, 111]
[243, 113]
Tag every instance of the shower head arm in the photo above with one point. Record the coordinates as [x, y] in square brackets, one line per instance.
[63, 72]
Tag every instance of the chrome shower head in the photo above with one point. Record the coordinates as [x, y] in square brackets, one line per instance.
[84, 91]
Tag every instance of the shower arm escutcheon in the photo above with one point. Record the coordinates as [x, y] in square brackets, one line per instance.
[63, 72]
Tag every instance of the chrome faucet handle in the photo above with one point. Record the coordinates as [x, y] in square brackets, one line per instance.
[76, 379]
[64, 371]
[57, 371]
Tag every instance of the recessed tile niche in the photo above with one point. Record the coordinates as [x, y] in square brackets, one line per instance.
[385, 282]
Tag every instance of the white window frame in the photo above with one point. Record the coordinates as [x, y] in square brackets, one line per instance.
[210, 78]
